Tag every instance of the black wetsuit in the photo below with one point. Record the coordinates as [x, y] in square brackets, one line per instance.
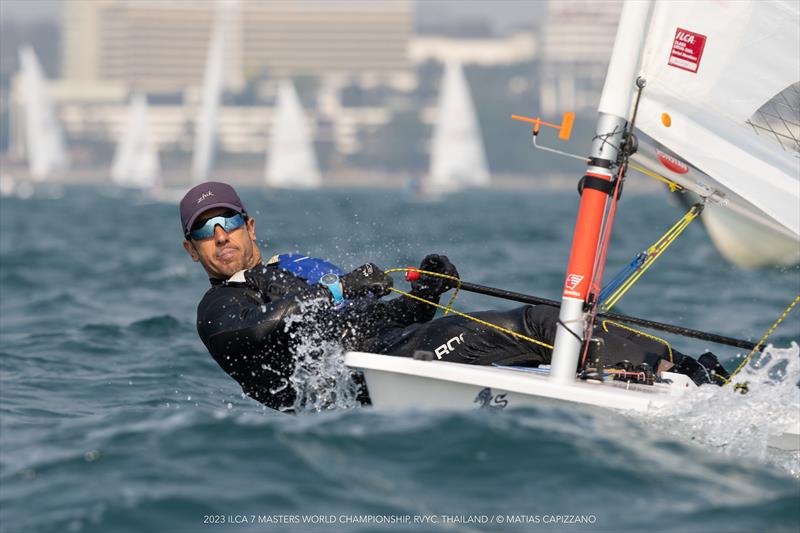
[457, 339]
[243, 324]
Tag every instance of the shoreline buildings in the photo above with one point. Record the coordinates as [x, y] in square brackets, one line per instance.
[333, 49]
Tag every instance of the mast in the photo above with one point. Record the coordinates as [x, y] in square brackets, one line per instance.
[615, 104]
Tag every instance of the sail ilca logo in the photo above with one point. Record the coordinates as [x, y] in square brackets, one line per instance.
[687, 49]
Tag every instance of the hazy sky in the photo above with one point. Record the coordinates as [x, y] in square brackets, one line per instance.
[501, 12]
[30, 9]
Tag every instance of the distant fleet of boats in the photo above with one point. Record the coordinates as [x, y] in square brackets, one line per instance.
[457, 156]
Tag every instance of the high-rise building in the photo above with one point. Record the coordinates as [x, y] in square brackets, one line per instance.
[162, 46]
[577, 38]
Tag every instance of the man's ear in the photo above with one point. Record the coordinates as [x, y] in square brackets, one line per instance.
[251, 228]
[190, 250]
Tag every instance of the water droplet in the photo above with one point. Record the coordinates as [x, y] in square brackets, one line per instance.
[91, 456]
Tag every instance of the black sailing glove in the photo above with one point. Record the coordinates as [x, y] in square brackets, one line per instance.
[428, 286]
[365, 280]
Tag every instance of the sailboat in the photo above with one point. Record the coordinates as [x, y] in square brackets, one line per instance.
[47, 156]
[291, 163]
[136, 163]
[206, 124]
[458, 158]
[681, 78]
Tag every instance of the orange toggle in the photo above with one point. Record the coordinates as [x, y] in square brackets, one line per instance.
[564, 129]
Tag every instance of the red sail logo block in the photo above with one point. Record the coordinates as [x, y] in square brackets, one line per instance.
[687, 50]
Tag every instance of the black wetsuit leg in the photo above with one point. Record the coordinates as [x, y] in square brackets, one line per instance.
[457, 339]
[623, 344]
[461, 340]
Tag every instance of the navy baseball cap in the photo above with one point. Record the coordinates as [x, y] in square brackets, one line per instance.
[205, 196]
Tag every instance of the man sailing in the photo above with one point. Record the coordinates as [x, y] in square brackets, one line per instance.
[256, 312]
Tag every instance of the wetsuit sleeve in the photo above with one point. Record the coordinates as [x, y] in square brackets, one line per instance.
[243, 328]
[248, 318]
[405, 310]
[367, 318]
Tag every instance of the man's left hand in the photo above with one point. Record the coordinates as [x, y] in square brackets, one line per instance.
[366, 280]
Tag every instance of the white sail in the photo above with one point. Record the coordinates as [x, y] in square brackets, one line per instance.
[206, 124]
[709, 67]
[458, 158]
[291, 162]
[45, 144]
[136, 162]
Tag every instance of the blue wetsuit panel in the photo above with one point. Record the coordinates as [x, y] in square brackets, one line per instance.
[310, 269]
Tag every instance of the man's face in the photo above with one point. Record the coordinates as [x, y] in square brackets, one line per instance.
[224, 254]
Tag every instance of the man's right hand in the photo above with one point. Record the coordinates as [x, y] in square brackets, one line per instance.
[429, 286]
[366, 279]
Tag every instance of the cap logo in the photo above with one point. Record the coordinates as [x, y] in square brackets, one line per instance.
[204, 196]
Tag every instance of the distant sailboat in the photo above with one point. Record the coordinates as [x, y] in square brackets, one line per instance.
[206, 125]
[47, 156]
[136, 162]
[458, 159]
[291, 163]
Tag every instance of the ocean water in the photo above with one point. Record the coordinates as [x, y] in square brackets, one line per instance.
[113, 417]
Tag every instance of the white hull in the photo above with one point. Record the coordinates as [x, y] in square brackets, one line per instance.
[742, 233]
[399, 382]
[747, 244]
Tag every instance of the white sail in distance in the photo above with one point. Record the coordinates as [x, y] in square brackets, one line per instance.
[47, 155]
[206, 124]
[458, 159]
[291, 162]
[136, 162]
[708, 68]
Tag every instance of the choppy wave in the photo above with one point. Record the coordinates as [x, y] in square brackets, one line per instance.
[113, 417]
[741, 424]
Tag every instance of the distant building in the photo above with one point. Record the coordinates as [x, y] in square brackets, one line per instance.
[577, 38]
[518, 48]
[98, 113]
[111, 47]
[162, 46]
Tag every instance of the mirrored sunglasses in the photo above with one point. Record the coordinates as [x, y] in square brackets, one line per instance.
[205, 230]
